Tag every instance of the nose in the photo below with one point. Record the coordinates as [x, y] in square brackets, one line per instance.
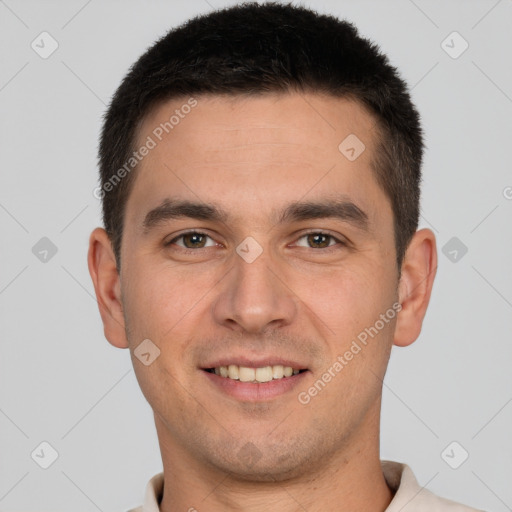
[254, 297]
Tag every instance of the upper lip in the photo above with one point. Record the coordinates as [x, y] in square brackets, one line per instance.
[254, 362]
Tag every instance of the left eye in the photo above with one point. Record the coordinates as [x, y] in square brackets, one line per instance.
[192, 240]
[318, 240]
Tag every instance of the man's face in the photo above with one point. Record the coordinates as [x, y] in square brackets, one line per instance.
[297, 293]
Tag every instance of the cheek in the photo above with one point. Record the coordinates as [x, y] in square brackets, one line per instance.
[347, 300]
[170, 308]
[165, 388]
[358, 339]
[156, 300]
[161, 308]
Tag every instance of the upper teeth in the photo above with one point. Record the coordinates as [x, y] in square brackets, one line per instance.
[264, 374]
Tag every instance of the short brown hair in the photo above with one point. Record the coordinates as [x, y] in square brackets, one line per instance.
[253, 49]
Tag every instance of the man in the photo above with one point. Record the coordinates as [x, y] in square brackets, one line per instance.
[260, 175]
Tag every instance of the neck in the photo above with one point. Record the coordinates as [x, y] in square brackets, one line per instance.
[351, 480]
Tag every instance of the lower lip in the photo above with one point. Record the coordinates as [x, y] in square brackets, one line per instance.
[255, 392]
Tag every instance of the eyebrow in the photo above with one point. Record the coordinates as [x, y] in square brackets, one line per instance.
[341, 209]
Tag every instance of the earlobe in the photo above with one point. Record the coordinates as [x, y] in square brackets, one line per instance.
[417, 278]
[107, 286]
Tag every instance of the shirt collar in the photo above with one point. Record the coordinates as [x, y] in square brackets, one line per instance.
[409, 496]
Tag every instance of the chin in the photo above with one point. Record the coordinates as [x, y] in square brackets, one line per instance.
[273, 463]
[264, 471]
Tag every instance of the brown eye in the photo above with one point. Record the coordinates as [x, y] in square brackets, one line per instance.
[192, 240]
[319, 240]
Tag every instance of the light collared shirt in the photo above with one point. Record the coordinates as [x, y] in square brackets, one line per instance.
[409, 496]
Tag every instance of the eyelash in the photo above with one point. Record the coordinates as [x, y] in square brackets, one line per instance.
[329, 248]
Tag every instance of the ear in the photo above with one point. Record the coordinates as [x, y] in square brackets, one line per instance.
[417, 278]
[107, 285]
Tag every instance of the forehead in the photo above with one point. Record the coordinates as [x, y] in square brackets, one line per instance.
[217, 122]
[256, 150]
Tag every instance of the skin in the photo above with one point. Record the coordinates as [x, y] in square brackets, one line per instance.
[252, 156]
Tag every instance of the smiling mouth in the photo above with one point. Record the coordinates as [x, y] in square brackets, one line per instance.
[255, 375]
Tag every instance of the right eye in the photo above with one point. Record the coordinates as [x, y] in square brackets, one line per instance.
[192, 240]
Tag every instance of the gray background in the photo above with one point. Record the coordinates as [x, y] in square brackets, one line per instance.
[60, 380]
